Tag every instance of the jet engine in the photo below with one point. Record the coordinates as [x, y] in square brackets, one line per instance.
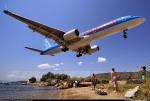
[93, 49]
[72, 34]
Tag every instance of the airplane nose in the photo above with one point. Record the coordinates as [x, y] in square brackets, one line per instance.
[137, 17]
[142, 19]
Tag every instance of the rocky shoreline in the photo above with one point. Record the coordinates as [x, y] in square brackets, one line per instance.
[54, 83]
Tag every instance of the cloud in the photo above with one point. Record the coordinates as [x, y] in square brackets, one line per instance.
[61, 63]
[101, 59]
[80, 63]
[56, 69]
[11, 75]
[45, 66]
[49, 66]
[21, 75]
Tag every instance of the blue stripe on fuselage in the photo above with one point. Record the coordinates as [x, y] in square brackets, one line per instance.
[126, 18]
[110, 24]
[51, 48]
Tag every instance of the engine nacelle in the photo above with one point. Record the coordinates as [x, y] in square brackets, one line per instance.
[94, 48]
[72, 34]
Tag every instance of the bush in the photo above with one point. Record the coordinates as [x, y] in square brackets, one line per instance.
[51, 76]
[144, 92]
[104, 81]
[32, 80]
[135, 81]
[47, 76]
[111, 88]
[88, 79]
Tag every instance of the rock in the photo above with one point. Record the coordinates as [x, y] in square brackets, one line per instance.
[53, 82]
[74, 85]
[64, 85]
[131, 92]
[40, 84]
[100, 92]
[56, 85]
[60, 87]
[70, 85]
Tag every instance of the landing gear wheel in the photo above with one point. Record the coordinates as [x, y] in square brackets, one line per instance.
[125, 36]
[78, 55]
[65, 49]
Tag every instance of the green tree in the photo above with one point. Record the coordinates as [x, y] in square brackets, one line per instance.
[32, 80]
[49, 75]
[64, 77]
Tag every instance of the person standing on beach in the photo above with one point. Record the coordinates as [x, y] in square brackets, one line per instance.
[94, 81]
[114, 79]
[143, 73]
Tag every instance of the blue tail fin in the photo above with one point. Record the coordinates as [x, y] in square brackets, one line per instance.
[46, 44]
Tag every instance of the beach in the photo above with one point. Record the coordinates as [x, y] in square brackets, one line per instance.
[86, 93]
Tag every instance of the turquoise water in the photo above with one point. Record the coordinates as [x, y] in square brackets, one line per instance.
[18, 91]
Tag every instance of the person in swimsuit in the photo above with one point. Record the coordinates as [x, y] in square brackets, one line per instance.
[94, 80]
[114, 79]
[143, 73]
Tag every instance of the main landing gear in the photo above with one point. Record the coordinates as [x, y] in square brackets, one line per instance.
[65, 49]
[125, 36]
[81, 52]
[79, 55]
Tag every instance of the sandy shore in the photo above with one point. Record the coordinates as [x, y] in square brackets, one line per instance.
[86, 93]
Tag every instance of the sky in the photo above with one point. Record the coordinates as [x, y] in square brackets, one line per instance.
[17, 63]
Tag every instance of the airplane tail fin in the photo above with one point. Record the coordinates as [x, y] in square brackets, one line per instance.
[47, 44]
[33, 49]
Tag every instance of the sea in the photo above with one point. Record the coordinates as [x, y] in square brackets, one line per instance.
[18, 91]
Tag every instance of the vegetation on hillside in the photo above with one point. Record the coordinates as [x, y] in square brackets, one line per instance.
[121, 76]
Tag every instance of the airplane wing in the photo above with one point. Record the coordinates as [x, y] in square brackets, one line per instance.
[46, 31]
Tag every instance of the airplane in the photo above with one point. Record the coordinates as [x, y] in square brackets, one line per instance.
[73, 40]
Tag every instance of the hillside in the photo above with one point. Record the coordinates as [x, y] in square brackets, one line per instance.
[121, 75]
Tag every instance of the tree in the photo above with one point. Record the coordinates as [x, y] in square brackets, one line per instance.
[32, 80]
[64, 76]
[49, 75]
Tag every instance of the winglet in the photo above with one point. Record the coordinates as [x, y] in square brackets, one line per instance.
[6, 12]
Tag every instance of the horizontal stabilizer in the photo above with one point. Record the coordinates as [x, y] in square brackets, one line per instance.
[33, 49]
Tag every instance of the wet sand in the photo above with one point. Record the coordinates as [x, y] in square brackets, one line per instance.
[86, 93]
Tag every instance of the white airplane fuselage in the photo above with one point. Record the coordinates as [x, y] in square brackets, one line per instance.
[107, 29]
[97, 33]
[110, 28]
